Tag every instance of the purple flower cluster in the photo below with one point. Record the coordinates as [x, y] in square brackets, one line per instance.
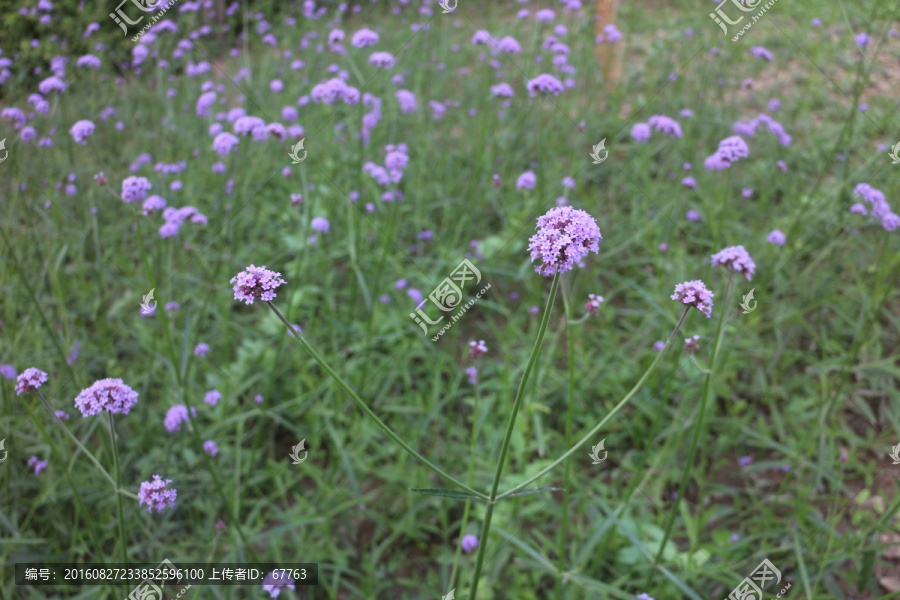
[526, 181]
[256, 283]
[593, 304]
[81, 130]
[665, 125]
[333, 91]
[396, 161]
[30, 380]
[776, 128]
[641, 133]
[274, 584]
[544, 84]
[134, 189]
[175, 218]
[38, 464]
[177, 415]
[695, 293]
[225, 142]
[735, 258]
[878, 206]
[407, 101]
[730, 150]
[157, 494]
[565, 236]
[111, 395]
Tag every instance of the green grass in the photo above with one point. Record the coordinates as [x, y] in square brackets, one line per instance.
[810, 376]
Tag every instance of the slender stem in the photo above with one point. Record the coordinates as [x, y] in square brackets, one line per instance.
[78, 443]
[362, 405]
[697, 430]
[520, 394]
[119, 511]
[600, 425]
[567, 466]
[465, 519]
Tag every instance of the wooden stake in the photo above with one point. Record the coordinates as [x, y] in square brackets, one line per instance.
[609, 56]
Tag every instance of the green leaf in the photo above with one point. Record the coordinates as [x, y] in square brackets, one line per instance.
[536, 491]
[447, 494]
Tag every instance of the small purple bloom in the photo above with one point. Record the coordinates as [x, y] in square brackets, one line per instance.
[30, 380]
[564, 237]
[694, 293]
[256, 283]
[210, 447]
[469, 543]
[156, 494]
[776, 236]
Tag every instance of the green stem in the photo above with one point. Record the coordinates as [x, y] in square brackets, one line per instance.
[520, 394]
[567, 466]
[119, 511]
[465, 519]
[362, 405]
[697, 430]
[612, 413]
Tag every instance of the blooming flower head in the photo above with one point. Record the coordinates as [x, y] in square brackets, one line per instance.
[745, 460]
[691, 344]
[38, 464]
[212, 397]
[274, 584]
[545, 84]
[177, 415]
[565, 236]
[735, 258]
[526, 181]
[224, 143]
[665, 125]
[81, 130]
[157, 494]
[640, 133]
[695, 293]
[776, 236]
[256, 283]
[201, 349]
[9, 372]
[210, 447]
[111, 395]
[320, 224]
[477, 349]
[364, 37]
[469, 543]
[134, 189]
[593, 304]
[692, 215]
[659, 345]
[761, 52]
[30, 380]
[382, 59]
[730, 150]
[472, 374]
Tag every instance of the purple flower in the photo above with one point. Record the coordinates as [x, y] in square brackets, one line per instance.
[730, 150]
[481, 37]
[201, 349]
[415, 295]
[9, 372]
[156, 494]
[384, 60]
[509, 45]
[593, 304]
[564, 237]
[694, 293]
[153, 203]
[816, 22]
[51, 84]
[177, 415]
[658, 346]
[170, 306]
[81, 130]
[38, 464]
[665, 125]
[364, 37]
[469, 543]
[334, 90]
[692, 215]
[689, 182]
[776, 237]
[859, 209]
[212, 397]
[108, 394]
[612, 33]
[134, 189]
[225, 143]
[210, 447]
[545, 84]
[745, 460]
[244, 125]
[640, 133]
[691, 344]
[258, 398]
[320, 224]
[502, 90]
[61, 415]
[544, 15]
[407, 101]
[526, 181]
[735, 258]
[890, 222]
[472, 374]
[256, 283]
[274, 584]
[761, 52]
[30, 380]
[477, 349]
[734, 538]
[862, 40]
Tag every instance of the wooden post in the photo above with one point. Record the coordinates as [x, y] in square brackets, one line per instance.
[609, 56]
